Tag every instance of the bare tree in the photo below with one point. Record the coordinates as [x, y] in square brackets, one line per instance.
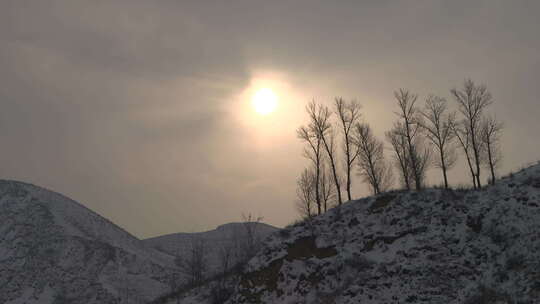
[438, 125]
[424, 161]
[237, 244]
[305, 193]
[313, 152]
[195, 264]
[472, 100]
[409, 116]
[464, 139]
[490, 135]
[220, 290]
[225, 257]
[371, 163]
[175, 280]
[348, 114]
[252, 242]
[399, 146]
[320, 122]
[328, 193]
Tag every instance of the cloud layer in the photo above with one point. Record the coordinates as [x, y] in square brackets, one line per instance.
[128, 106]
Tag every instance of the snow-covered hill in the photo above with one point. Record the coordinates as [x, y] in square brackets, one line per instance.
[232, 234]
[434, 246]
[55, 250]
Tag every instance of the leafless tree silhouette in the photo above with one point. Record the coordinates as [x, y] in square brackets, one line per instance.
[472, 100]
[328, 193]
[320, 117]
[371, 162]
[409, 116]
[194, 265]
[464, 138]
[491, 130]
[313, 152]
[252, 243]
[305, 193]
[438, 126]
[349, 115]
[399, 146]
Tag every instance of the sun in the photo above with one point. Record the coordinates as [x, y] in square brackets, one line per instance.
[264, 101]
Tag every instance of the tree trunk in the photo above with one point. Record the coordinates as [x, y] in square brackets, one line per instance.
[472, 170]
[336, 180]
[491, 163]
[317, 195]
[332, 163]
[445, 177]
[348, 154]
[476, 156]
[348, 177]
[443, 165]
[414, 160]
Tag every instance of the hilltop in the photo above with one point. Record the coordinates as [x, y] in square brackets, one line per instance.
[434, 246]
[179, 244]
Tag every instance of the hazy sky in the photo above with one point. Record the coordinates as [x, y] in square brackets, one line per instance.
[141, 110]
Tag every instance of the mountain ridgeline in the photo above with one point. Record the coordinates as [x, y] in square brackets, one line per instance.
[433, 246]
[54, 250]
[430, 246]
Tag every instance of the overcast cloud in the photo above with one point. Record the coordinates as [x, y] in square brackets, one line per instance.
[129, 106]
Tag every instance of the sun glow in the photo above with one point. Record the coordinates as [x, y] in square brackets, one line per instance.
[269, 109]
[264, 101]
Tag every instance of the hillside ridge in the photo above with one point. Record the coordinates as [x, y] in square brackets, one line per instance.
[433, 246]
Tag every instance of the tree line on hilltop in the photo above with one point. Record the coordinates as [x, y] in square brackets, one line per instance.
[338, 143]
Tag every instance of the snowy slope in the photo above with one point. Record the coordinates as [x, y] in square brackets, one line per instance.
[54, 249]
[435, 246]
[227, 234]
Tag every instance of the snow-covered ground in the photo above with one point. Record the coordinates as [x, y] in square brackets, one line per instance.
[55, 250]
[232, 234]
[434, 246]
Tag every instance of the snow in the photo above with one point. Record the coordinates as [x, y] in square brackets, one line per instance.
[52, 246]
[231, 234]
[433, 246]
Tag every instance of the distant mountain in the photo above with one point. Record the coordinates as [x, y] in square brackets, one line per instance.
[434, 246]
[232, 234]
[55, 250]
